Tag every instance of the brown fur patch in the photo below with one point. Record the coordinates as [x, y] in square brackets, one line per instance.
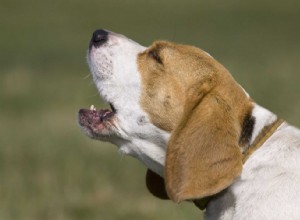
[191, 95]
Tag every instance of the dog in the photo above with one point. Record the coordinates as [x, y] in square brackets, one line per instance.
[201, 136]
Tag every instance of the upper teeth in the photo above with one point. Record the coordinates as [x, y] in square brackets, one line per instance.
[92, 108]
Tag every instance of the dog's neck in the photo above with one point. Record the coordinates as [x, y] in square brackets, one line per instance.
[263, 118]
[263, 125]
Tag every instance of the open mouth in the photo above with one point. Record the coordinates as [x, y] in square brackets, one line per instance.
[96, 121]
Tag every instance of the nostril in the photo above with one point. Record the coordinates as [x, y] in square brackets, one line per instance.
[99, 37]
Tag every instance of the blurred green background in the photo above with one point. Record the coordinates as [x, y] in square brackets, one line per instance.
[48, 168]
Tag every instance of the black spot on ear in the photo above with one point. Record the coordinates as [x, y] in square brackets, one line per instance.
[247, 129]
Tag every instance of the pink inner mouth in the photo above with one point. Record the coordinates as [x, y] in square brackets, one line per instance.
[95, 120]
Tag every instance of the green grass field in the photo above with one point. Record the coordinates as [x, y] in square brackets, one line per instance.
[48, 168]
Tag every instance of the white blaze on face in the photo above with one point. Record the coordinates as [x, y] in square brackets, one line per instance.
[116, 75]
[114, 69]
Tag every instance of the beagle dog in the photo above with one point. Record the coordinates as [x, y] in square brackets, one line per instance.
[201, 136]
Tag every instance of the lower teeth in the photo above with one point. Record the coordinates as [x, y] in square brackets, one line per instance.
[92, 108]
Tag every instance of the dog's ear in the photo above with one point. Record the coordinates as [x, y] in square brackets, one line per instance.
[156, 185]
[203, 155]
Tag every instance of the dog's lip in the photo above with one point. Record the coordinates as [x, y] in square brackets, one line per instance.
[112, 107]
[95, 120]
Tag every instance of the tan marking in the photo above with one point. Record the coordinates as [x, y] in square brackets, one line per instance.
[195, 98]
[186, 75]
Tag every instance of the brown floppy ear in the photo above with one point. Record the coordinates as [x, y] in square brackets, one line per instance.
[203, 155]
[156, 185]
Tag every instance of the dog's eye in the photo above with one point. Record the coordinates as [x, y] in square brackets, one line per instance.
[155, 56]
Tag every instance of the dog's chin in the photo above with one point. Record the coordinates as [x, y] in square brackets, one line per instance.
[97, 124]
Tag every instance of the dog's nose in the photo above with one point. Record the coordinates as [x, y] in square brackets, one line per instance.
[99, 37]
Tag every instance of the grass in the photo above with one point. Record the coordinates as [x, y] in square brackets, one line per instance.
[48, 168]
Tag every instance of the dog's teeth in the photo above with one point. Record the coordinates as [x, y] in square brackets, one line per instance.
[92, 108]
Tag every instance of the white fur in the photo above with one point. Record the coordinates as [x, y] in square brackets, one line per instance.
[114, 70]
[263, 117]
[269, 186]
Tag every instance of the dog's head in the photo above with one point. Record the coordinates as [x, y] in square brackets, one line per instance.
[173, 107]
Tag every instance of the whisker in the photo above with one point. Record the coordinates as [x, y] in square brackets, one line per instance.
[87, 76]
[94, 95]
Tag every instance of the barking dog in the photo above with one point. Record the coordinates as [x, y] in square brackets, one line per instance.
[201, 136]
